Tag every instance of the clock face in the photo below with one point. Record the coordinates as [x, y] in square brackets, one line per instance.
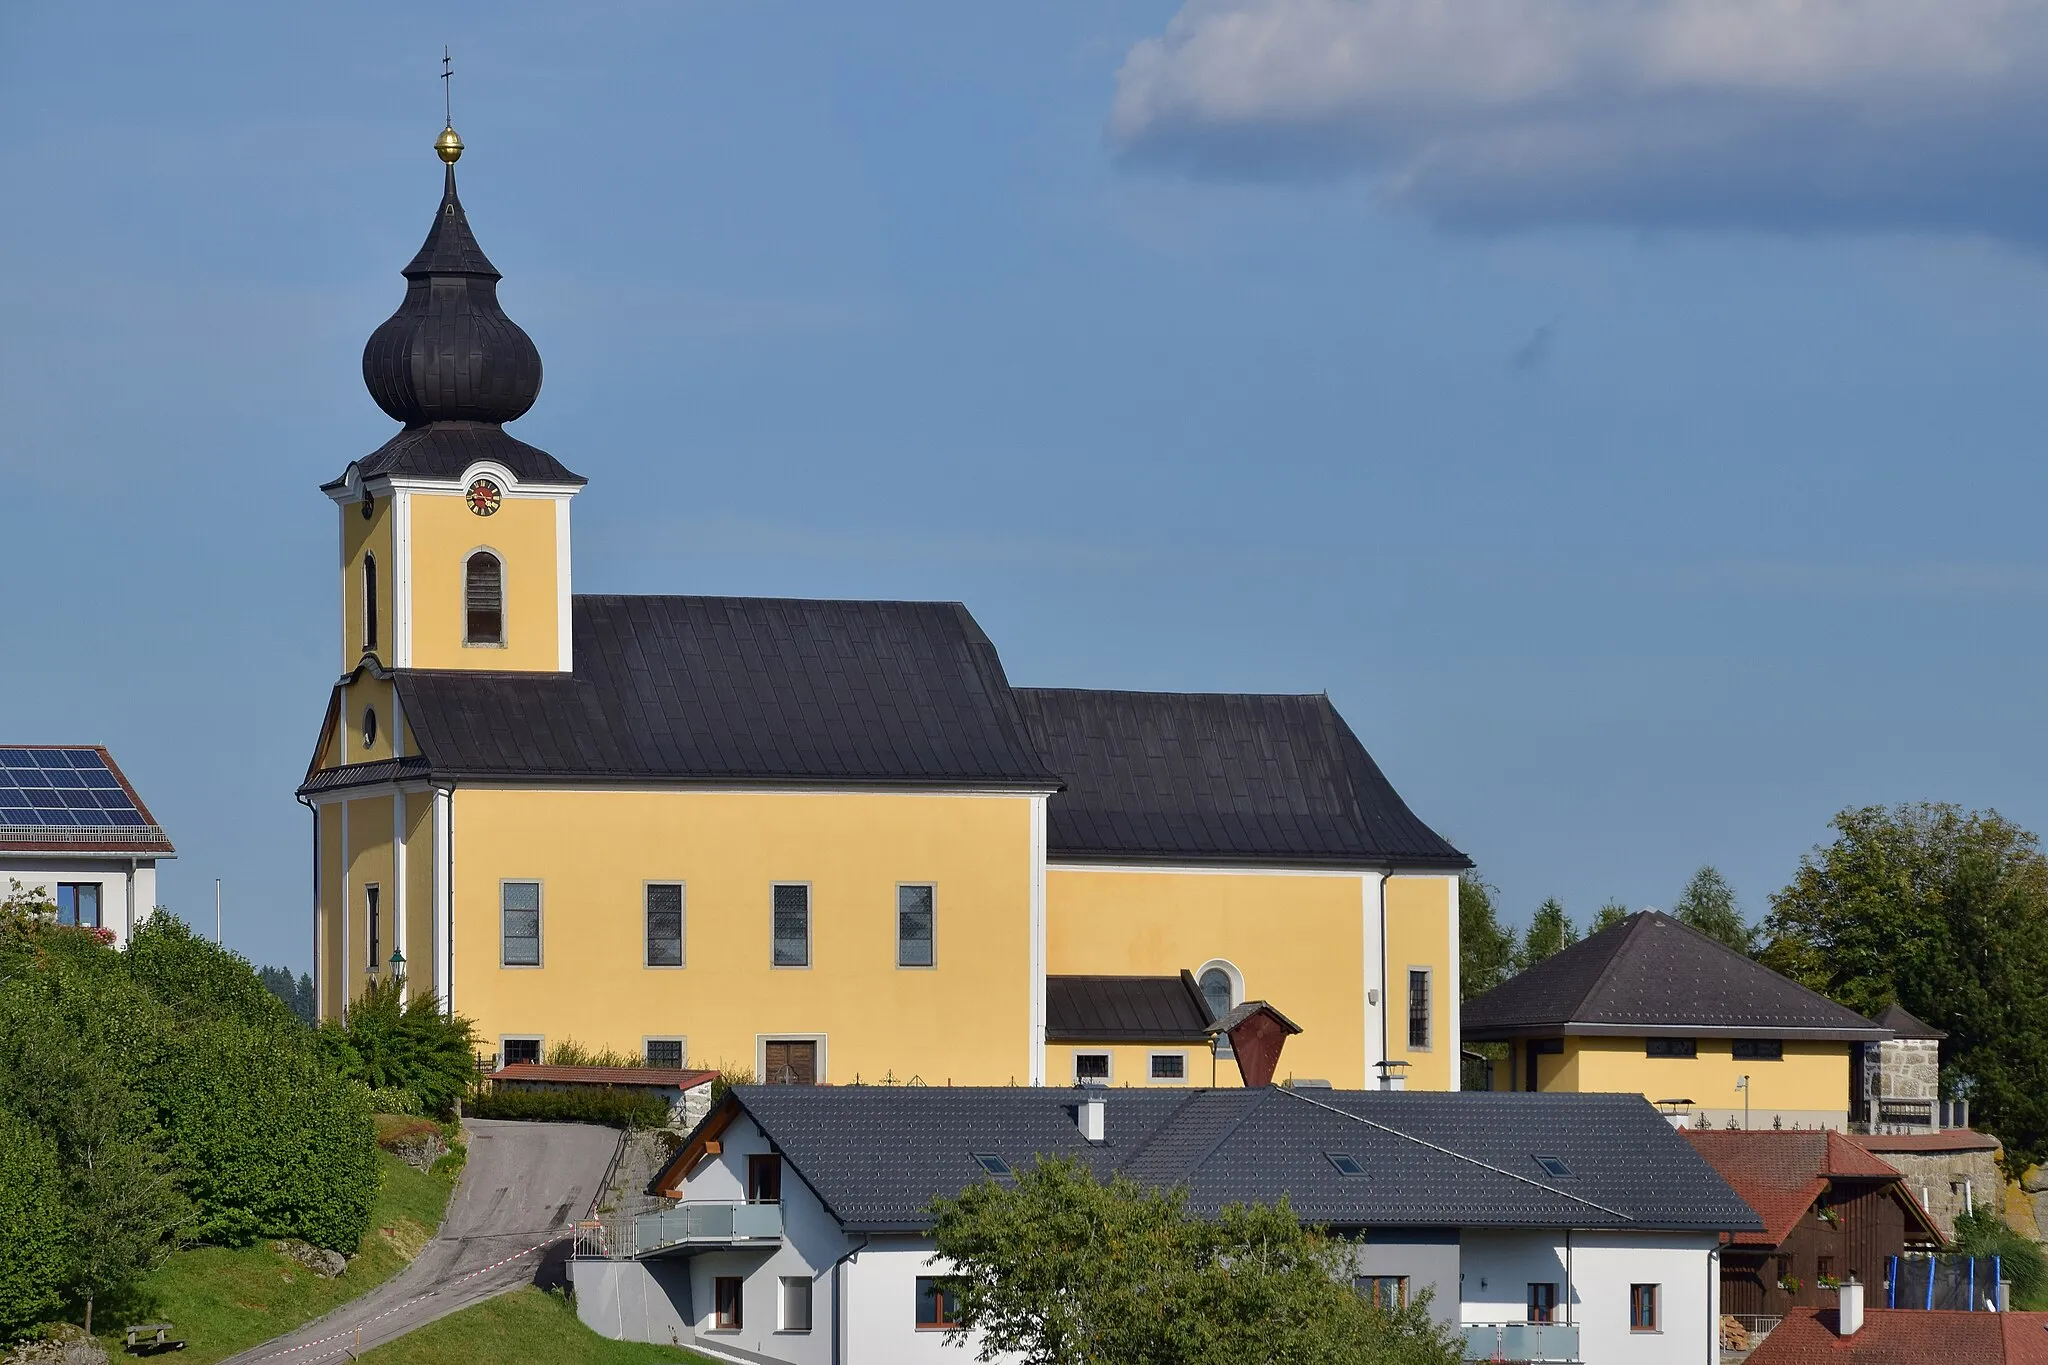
[484, 497]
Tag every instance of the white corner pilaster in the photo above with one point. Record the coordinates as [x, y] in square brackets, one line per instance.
[1037, 1053]
[564, 626]
[341, 958]
[444, 908]
[1452, 994]
[398, 897]
[401, 579]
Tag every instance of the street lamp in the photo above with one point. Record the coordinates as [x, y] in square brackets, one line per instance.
[1742, 1084]
[397, 966]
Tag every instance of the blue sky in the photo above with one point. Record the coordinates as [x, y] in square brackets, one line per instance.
[1639, 439]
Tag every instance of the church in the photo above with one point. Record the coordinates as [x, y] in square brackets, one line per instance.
[826, 842]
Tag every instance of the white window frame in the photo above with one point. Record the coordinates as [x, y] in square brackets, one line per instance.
[810, 935]
[540, 924]
[678, 1039]
[682, 924]
[1152, 1061]
[539, 1041]
[1408, 1007]
[783, 1284]
[933, 965]
[1108, 1055]
[373, 925]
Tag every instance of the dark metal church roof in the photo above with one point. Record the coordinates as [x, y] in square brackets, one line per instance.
[1107, 1009]
[1166, 776]
[1651, 976]
[877, 1156]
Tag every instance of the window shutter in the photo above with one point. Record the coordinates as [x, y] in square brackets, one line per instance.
[483, 595]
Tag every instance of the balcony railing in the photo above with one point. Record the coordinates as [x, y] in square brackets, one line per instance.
[1522, 1341]
[709, 1222]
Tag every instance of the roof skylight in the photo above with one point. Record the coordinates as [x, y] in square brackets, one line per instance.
[994, 1165]
[1346, 1163]
[1554, 1167]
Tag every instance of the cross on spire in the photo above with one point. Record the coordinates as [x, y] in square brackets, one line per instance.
[447, 87]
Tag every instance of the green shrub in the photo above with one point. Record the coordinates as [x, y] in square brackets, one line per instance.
[197, 980]
[32, 1213]
[412, 1047]
[609, 1105]
[1983, 1233]
[569, 1052]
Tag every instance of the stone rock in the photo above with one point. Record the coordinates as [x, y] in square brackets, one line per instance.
[2035, 1181]
[65, 1345]
[422, 1151]
[322, 1262]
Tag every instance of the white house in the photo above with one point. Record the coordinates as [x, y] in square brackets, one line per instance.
[1547, 1227]
[72, 825]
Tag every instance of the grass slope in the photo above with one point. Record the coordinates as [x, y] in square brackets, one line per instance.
[525, 1327]
[223, 1299]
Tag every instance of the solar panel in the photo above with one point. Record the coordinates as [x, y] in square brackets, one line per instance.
[85, 758]
[57, 817]
[63, 787]
[45, 800]
[111, 800]
[67, 778]
[50, 758]
[14, 815]
[93, 817]
[31, 778]
[79, 800]
[16, 758]
[7, 778]
[125, 817]
[98, 778]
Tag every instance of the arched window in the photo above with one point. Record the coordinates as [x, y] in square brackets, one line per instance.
[1216, 992]
[369, 601]
[483, 598]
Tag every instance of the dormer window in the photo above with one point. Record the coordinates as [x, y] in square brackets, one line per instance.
[369, 602]
[483, 599]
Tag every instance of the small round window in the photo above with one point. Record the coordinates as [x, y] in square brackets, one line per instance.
[369, 726]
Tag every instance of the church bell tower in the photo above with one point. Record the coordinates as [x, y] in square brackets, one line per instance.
[454, 535]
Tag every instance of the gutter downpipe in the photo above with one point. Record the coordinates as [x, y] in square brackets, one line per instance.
[839, 1300]
[1568, 1319]
[1714, 1301]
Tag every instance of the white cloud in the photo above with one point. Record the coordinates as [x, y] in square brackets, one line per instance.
[1773, 113]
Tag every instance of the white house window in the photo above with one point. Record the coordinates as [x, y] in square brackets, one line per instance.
[792, 925]
[1388, 1293]
[1091, 1068]
[1216, 992]
[667, 1052]
[371, 898]
[914, 925]
[483, 600]
[520, 914]
[518, 1050]
[664, 924]
[78, 903]
[796, 1303]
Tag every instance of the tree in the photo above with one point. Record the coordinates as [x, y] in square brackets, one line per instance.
[1550, 933]
[32, 1213]
[412, 1047]
[1486, 950]
[1945, 912]
[1060, 1269]
[296, 994]
[1708, 905]
[1606, 917]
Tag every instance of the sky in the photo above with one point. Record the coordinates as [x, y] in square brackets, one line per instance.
[1628, 411]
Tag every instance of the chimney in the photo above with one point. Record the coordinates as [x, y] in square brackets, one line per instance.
[1849, 1311]
[1393, 1075]
[1092, 1114]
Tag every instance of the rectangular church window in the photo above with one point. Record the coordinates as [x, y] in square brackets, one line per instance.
[792, 925]
[914, 925]
[664, 924]
[520, 905]
[1418, 1008]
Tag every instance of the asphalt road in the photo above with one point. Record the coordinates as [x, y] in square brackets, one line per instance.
[523, 1186]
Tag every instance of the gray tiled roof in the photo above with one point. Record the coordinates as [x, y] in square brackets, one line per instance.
[1104, 1009]
[1651, 975]
[739, 689]
[444, 450]
[878, 1157]
[1167, 776]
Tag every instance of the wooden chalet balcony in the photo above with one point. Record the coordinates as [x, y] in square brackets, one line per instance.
[689, 1226]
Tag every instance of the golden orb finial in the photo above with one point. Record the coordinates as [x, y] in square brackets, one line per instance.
[448, 146]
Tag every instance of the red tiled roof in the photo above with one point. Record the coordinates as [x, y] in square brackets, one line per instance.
[1901, 1336]
[1949, 1140]
[1780, 1173]
[666, 1077]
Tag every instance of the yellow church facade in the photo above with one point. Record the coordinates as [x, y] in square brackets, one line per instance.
[822, 841]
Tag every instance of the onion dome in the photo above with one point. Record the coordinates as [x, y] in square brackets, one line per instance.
[449, 354]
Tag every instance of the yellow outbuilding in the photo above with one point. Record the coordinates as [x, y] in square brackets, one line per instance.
[824, 841]
[1651, 1005]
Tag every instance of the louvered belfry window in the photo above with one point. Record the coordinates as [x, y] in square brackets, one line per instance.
[483, 598]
